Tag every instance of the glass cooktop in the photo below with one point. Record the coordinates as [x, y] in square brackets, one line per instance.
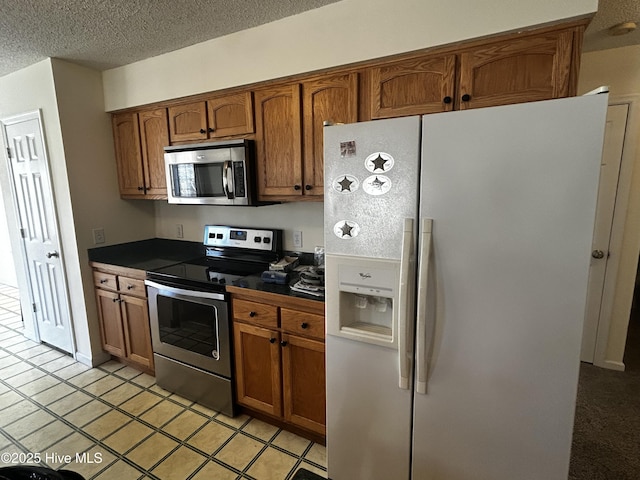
[205, 272]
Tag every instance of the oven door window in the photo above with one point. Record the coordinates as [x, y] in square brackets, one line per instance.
[189, 325]
[198, 180]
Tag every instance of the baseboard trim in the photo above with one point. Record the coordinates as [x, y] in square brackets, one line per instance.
[92, 361]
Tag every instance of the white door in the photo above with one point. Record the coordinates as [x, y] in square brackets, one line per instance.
[512, 193]
[39, 228]
[607, 191]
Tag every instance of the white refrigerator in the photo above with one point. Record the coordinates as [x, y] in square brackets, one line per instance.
[457, 249]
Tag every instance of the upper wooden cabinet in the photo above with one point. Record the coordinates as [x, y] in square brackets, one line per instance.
[140, 138]
[331, 99]
[154, 136]
[278, 142]
[413, 87]
[289, 133]
[286, 117]
[518, 69]
[220, 116]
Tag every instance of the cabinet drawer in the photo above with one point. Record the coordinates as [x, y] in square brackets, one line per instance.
[302, 323]
[105, 280]
[131, 286]
[257, 313]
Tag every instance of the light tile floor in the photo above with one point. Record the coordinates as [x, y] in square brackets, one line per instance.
[113, 422]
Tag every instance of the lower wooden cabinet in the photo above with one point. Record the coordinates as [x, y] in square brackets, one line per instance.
[280, 360]
[303, 382]
[123, 313]
[258, 359]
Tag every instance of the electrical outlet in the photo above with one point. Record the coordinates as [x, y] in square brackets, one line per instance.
[98, 235]
[297, 239]
[179, 232]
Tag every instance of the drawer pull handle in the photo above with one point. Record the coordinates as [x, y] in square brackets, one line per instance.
[304, 325]
[114, 300]
[272, 340]
[104, 280]
[252, 314]
[283, 343]
[129, 287]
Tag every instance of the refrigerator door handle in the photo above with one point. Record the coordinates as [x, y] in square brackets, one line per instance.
[421, 314]
[403, 298]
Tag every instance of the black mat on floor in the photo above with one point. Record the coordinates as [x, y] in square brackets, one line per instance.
[303, 474]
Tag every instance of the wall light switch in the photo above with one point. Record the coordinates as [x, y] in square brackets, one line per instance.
[179, 232]
[98, 236]
[297, 239]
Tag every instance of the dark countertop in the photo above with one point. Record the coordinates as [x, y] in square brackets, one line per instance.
[147, 254]
[161, 252]
[254, 282]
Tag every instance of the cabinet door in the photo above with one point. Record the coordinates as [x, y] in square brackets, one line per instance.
[110, 317]
[331, 98]
[278, 142]
[304, 382]
[137, 334]
[413, 87]
[188, 122]
[230, 115]
[517, 70]
[258, 379]
[154, 136]
[126, 137]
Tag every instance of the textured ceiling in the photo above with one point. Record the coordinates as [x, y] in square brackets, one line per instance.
[103, 34]
[610, 13]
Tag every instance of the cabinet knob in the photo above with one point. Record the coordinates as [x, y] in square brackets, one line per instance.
[114, 300]
[203, 131]
[297, 187]
[210, 130]
[283, 343]
[466, 97]
[140, 189]
[447, 99]
[272, 340]
[103, 280]
[304, 325]
[252, 314]
[129, 287]
[308, 187]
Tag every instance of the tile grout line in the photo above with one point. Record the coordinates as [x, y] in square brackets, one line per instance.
[13, 326]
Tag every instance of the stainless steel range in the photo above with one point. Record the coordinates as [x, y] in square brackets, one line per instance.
[189, 313]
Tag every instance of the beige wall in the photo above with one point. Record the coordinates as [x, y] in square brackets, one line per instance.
[337, 34]
[93, 190]
[304, 216]
[620, 69]
[79, 146]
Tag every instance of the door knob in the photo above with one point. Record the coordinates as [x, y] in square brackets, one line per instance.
[597, 254]
[52, 254]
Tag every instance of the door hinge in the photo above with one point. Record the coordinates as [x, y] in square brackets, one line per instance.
[23, 233]
[34, 308]
[9, 153]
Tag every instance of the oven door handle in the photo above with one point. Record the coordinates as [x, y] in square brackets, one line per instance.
[187, 293]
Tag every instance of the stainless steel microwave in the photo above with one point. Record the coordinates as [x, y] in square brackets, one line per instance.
[217, 173]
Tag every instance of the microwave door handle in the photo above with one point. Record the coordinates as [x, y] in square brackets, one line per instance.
[226, 184]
